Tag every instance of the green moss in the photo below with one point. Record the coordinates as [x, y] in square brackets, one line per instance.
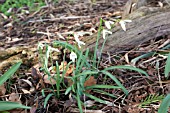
[20, 3]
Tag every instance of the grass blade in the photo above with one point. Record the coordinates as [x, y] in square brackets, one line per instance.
[66, 45]
[167, 66]
[116, 81]
[9, 73]
[58, 80]
[84, 59]
[102, 86]
[104, 93]
[96, 99]
[47, 98]
[164, 105]
[126, 67]
[68, 90]
[6, 105]
[142, 56]
[97, 43]
[87, 72]
[79, 102]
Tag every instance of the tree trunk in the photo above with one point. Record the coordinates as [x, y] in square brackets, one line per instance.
[147, 23]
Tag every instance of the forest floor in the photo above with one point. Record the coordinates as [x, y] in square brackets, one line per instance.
[57, 23]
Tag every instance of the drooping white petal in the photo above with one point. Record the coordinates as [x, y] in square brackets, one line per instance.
[160, 4]
[78, 41]
[73, 56]
[127, 21]
[107, 24]
[76, 36]
[111, 22]
[123, 23]
[106, 32]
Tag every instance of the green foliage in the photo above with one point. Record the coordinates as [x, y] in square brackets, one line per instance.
[46, 99]
[9, 73]
[81, 73]
[126, 67]
[151, 99]
[20, 3]
[167, 66]
[5, 105]
[166, 101]
[164, 105]
[77, 88]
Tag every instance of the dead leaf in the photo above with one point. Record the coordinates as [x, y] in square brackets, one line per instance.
[33, 110]
[2, 90]
[90, 82]
[126, 58]
[51, 81]
[14, 97]
[35, 73]
[17, 111]
[63, 66]
[89, 103]
[69, 71]
[25, 91]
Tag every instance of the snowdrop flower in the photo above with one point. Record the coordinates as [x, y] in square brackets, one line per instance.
[106, 32]
[73, 56]
[108, 24]
[40, 45]
[123, 23]
[77, 40]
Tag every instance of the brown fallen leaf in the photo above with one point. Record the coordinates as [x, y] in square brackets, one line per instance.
[2, 90]
[51, 81]
[63, 66]
[33, 110]
[90, 82]
[14, 97]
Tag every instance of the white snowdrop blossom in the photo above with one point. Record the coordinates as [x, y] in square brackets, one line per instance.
[40, 45]
[108, 24]
[123, 23]
[73, 56]
[106, 32]
[76, 36]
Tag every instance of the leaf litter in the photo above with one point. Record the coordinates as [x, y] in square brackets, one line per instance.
[58, 23]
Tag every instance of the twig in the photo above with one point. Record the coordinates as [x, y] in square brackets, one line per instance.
[61, 18]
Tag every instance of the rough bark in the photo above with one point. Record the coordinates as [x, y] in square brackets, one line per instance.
[147, 23]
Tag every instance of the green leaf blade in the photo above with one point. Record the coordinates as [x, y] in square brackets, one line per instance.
[6, 105]
[167, 66]
[116, 81]
[127, 67]
[9, 73]
[164, 105]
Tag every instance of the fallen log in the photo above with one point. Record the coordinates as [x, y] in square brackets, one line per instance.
[147, 23]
